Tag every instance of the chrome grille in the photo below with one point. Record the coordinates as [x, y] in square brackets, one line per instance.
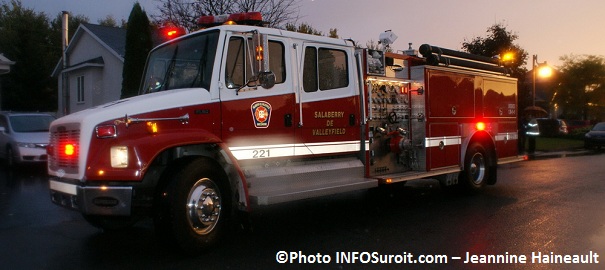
[60, 138]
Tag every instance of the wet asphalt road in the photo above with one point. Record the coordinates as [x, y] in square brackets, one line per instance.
[546, 205]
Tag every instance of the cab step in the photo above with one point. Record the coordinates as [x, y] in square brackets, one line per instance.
[305, 180]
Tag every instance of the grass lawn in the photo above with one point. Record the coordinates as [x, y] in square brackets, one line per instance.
[557, 144]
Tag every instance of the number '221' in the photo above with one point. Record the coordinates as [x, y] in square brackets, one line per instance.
[263, 153]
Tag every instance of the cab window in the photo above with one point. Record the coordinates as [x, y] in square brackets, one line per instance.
[325, 69]
[240, 61]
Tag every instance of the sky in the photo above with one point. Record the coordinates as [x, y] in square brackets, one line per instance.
[546, 28]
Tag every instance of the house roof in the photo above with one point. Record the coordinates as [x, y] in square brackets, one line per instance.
[95, 62]
[111, 38]
[5, 64]
[114, 38]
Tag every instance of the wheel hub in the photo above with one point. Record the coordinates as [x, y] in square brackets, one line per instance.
[204, 206]
[477, 168]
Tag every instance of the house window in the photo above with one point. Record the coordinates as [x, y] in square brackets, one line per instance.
[80, 88]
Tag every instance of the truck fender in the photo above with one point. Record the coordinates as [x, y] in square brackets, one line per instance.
[219, 153]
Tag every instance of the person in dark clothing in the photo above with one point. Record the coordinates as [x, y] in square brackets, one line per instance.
[531, 131]
[522, 127]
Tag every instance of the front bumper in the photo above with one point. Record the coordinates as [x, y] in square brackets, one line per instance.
[594, 141]
[28, 154]
[92, 200]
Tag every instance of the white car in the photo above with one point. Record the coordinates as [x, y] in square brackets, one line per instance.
[24, 137]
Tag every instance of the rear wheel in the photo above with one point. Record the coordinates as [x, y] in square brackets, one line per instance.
[476, 168]
[195, 207]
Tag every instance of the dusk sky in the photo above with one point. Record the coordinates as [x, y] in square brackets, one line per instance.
[548, 28]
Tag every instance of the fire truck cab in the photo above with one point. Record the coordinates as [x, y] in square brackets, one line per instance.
[236, 116]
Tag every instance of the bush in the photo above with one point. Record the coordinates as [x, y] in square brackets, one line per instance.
[578, 133]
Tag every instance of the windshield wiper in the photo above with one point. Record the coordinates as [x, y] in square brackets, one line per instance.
[170, 68]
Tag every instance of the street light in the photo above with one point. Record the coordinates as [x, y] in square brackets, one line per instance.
[543, 70]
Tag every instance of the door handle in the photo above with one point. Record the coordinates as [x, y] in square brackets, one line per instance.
[288, 120]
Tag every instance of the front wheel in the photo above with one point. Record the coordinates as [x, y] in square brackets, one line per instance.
[196, 207]
[10, 157]
[476, 168]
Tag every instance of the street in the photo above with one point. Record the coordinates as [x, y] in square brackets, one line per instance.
[538, 209]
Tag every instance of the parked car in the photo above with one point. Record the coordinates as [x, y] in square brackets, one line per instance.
[24, 137]
[552, 127]
[577, 124]
[595, 137]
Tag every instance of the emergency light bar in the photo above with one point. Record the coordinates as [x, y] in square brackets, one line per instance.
[248, 18]
[170, 31]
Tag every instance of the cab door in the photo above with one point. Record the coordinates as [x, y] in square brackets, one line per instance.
[257, 123]
[328, 116]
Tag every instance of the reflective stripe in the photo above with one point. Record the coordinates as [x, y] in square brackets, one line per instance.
[299, 149]
[446, 140]
[507, 136]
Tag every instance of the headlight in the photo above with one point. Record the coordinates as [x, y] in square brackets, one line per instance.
[119, 156]
[587, 135]
[27, 145]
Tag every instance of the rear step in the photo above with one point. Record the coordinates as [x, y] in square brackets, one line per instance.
[307, 180]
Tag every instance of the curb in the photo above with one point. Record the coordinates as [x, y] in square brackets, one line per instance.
[562, 154]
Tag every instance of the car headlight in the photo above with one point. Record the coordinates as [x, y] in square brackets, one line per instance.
[587, 135]
[26, 145]
[119, 156]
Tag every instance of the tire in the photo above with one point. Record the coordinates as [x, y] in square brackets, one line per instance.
[476, 171]
[194, 210]
[10, 157]
[110, 223]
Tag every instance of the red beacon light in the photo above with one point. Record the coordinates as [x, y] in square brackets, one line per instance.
[248, 18]
[171, 31]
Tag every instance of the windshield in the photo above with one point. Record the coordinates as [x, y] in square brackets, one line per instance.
[31, 123]
[599, 127]
[186, 63]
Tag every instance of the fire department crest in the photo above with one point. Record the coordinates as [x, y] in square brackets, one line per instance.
[261, 114]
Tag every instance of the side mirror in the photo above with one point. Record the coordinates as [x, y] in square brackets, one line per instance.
[2, 130]
[266, 79]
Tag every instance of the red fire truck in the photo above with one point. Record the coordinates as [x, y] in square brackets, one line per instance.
[236, 116]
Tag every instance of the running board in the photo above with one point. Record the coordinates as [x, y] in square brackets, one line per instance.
[413, 175]
[306, 180]
[510, 159]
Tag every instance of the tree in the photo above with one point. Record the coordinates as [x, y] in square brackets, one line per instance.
[138, 45]
[580, 87]
[498, 42]
[72, 24]
[26, 38]
[186, 12]
[303, 28]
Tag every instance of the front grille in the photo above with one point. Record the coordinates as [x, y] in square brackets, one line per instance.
[64, 157]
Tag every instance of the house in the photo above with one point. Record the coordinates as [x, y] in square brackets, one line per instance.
[5, 64]
[5, 68]
[93, 74]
